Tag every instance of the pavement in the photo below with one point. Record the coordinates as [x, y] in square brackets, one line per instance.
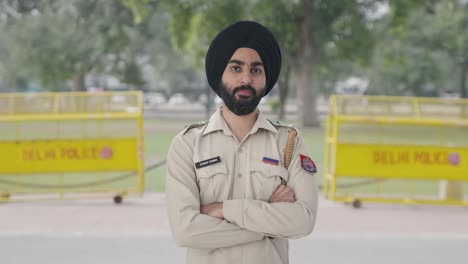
[148, 214]
[137, 231]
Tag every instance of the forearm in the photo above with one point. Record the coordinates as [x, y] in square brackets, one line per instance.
[195, 230]
[206, 232]
[281, 219]
[286, 220]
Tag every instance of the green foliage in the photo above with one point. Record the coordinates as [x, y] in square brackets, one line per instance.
[71, 38]
[133, 75]
[193, 24]
[336, 30]
[415, 47]
[140, 8]
[173, 71]
[420, 54]
[274, 105]
[401, 10]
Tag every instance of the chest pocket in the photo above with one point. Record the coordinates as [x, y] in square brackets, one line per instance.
[211, 182]
[264, 179]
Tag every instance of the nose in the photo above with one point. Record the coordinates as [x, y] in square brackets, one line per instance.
[246, 78]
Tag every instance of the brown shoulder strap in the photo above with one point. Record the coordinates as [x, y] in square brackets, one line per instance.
[289, 150]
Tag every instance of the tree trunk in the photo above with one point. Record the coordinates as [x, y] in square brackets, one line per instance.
[463, 93]
[464, 72]
[307, 60]
[283, 84]
[79, 82]
[17, 83]
[209, 102]
[464, 68]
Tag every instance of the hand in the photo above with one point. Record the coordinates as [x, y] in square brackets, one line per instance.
[213, 209]
[282, 194]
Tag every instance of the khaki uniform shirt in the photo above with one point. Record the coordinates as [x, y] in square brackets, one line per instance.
[207, 164]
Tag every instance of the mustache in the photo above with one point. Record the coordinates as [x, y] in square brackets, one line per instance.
[245, 87]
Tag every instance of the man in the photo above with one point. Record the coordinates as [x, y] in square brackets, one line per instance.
[225, 199]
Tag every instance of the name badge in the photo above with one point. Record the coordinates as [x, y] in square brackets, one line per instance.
[208, 162]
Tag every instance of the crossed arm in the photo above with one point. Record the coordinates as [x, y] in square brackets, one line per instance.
[289, 213]
[281, 194]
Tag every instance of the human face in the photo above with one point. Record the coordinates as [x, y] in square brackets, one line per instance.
[243, 81]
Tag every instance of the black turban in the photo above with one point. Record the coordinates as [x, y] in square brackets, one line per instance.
[243, 34]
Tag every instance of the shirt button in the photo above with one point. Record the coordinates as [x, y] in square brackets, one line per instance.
[239, 175]
[239, 150]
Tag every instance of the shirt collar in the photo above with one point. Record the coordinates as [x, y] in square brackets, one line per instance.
[217, 122]
[264, 123]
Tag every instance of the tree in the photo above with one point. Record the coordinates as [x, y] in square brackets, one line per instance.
[10, 75]
[311, 32]
[423, 51]
[139, 8]
[448, 34]
[63, 40]
[193, 24]
[325, 31]
[17, 8]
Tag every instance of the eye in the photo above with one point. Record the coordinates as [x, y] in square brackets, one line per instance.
[256, 70]
[235, 68]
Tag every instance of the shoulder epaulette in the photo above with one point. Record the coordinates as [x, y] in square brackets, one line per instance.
[279, 124]
[188, 127]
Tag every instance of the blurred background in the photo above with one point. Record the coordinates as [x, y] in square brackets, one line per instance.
[402, 48]
[372, 47]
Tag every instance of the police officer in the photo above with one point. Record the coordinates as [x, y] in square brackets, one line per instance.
[225, 197]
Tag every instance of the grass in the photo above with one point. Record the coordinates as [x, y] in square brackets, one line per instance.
[159, 133]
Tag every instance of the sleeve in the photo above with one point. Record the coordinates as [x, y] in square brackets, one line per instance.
[190, 228]
[285, 220]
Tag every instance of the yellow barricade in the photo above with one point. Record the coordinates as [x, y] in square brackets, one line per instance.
[71, 145]
[397, 150]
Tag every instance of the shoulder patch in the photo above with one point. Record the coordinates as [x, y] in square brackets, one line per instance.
[279, 124]
[188, 127]
[308, 164]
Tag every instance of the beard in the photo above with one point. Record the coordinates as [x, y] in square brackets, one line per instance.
[243, 105]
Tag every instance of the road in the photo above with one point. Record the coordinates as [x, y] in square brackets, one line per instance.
[96, 231]
[154, 248]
